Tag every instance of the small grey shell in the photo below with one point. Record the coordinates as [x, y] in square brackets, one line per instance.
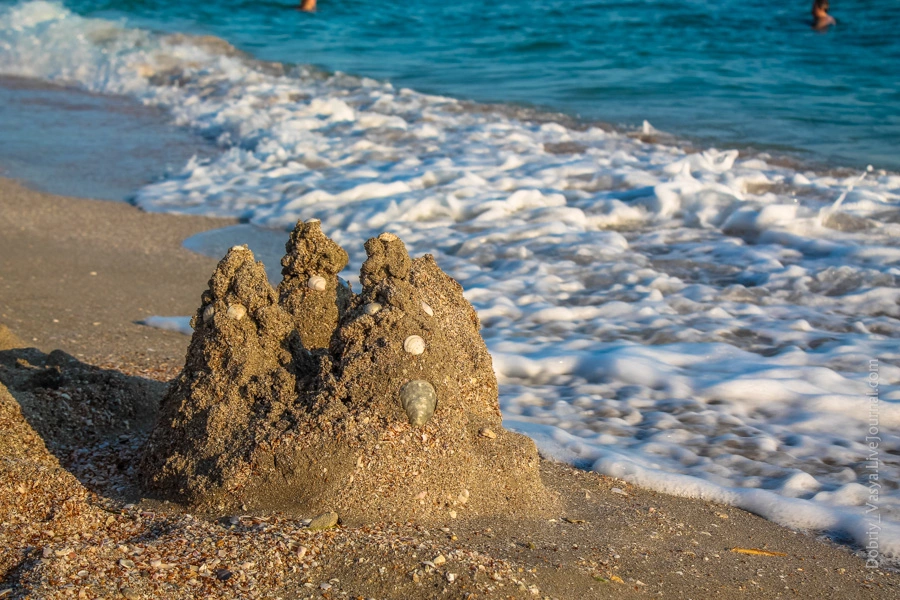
[208, 313]
[419, 400]
[317, 283]
[372, 308]
[236, 312]
[414, 344]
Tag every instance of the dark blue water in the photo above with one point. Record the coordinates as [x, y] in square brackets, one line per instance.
[724, 72]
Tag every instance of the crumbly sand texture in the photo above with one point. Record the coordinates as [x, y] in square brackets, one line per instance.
[257, 420]
[239, 377]
[310, 290]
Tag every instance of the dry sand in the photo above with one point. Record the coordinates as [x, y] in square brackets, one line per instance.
[73, 524]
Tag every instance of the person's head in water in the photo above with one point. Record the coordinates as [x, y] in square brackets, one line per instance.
[821, 18]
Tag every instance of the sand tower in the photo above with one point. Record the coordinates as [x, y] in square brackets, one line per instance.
[311, 291]
[239, 376]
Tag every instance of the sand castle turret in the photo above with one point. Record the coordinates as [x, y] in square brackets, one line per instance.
[311, 291]
[400, 418]
[239, 375]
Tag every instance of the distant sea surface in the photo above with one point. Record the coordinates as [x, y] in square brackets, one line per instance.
[726, 72]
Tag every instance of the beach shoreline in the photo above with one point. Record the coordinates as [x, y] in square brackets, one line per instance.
[78, 275]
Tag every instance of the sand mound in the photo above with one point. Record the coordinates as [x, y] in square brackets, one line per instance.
[39, 499]
[9, 340]
[397, 419]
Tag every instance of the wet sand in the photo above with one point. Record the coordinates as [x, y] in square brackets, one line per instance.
[78, 275]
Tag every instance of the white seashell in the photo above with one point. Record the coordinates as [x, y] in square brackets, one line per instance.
[208, 313]
[419, 400]
[317, 283]
[372, 308]
[388, 237]
[236, 312]
[414, 344]
[235, 248]
[313, 221]
[428, 310]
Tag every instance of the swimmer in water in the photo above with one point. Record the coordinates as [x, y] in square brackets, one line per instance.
[307, 5]
[821, 18]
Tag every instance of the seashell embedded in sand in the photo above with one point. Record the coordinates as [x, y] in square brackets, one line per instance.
[419, 400]
[372, 308]
[208, 313]
[388, 237]
[428, 310]
[487, 433]
[313, 220]
[414, 344]
[236, 312]
[235, 248]
[317, 283]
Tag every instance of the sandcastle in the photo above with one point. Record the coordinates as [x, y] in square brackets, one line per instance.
[381, 405]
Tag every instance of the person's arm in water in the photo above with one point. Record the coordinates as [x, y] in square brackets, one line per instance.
[308, 5]
[821, 18]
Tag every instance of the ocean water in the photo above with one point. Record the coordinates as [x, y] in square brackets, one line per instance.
[662, 305]
[743, 74]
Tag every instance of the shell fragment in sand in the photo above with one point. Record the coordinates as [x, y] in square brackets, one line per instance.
[757, 552]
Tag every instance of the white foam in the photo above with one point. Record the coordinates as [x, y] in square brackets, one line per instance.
[704, 324]
[179, 324]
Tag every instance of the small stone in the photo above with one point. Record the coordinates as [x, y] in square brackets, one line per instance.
[452, 514]
[440, 559]
[223, 574]
[325, 586]
[323, 521]
[463, 497]
[451, 577]
[487, 433]
[301, 551]
[130, 593]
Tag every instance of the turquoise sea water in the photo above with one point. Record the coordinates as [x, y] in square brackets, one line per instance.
[732, 73]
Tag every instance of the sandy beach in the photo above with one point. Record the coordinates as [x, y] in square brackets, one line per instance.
[77, 276]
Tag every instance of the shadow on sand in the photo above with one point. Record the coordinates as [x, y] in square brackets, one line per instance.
[94, 421]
